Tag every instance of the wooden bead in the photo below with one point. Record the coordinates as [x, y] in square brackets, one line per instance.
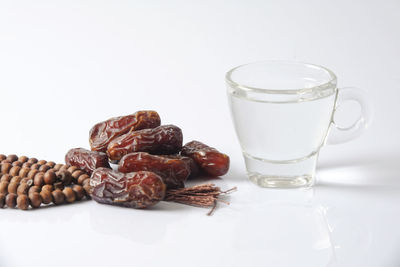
[87, 189]
[12, 157]
[83, 178]
[6, 178]
[48, 187]
[24, 172]
[32, 173]
[11, 200]
[42, 162]
[69, 195]
[32, 160]
[22, 189]
[14, 171]
[23, 202]
[86, 182]
[5, 168]
[26, 165]
[23, 159]
[35, 166]
[58, 197]
[38, 180]
[58, 185]
[71, 169]
[77, 173]
[64, 168]
[17, 163]
[44, 168]
[34, 189]
[27, 181]
[79, 192]
[16, 179]
[2, 199]
[64, 176]
[47, 197]
[57, 167]
[35, 200]
[12, 188]
[4, 187]
[51, 164]
[50, 177]
[2, 157]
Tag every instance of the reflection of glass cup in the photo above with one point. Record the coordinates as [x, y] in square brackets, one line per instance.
[282, 112]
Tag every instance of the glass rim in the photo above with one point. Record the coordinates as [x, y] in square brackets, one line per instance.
[325, 85]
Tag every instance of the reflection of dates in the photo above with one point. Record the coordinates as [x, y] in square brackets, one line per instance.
[173, 171]
[135, 190]
[210, 160]
[165, 139]
[102, 133]
[194, 169]
[86, 160]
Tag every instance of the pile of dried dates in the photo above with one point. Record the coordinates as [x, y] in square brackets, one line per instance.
[153, 164]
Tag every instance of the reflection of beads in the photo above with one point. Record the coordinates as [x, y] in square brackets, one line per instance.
[28, 182]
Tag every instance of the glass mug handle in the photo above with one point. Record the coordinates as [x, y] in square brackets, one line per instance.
[339, 134]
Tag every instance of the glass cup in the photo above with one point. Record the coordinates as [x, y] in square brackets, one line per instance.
[283, 112]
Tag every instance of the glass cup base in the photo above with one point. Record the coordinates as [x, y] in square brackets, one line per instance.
[281, 174]
[281, 181]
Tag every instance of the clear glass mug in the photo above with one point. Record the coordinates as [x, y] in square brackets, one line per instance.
[283, 112]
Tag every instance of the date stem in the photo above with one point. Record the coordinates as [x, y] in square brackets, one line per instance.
[205, 196]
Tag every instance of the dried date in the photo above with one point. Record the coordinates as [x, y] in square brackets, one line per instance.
[104, 132]
[165, 139]
[86, 160]
[135, 190]
[173, 171]
[194, 169]
[210, 160]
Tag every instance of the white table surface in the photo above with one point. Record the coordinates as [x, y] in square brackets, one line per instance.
[65, 65]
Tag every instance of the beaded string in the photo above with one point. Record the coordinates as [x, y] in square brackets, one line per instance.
[28, 182]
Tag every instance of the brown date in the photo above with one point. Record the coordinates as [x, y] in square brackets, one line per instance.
[104, 132]
[210, 160]
[165, 139]
[135, 190]
[194, 169]
[174, 172]
[86, 160]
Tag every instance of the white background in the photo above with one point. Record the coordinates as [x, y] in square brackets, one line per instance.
[65, 65]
